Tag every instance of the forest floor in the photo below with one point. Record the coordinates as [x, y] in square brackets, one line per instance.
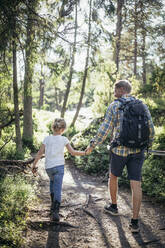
[83, 223]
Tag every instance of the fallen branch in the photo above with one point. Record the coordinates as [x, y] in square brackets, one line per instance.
[70, 205]
[89, 213]
[18, 162]
[6, 142]
[89, 200]
[98, 199]
[150, 242]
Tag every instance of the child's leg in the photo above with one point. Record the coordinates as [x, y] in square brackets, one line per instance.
[51, 185]
[51, 178]
[57, 183]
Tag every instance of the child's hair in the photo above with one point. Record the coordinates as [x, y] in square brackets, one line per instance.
[58, 124]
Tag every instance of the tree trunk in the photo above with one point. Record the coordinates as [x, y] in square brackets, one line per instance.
[118, 32]
[86, 66]
[27, 125]
[135, 38]
[144, 55]
[42, 87]
[16, 104]
[71, 67]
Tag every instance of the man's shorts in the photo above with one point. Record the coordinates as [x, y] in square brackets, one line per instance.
[133, 162]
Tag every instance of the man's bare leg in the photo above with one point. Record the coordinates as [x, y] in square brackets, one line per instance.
[136, 197]
[113, 188]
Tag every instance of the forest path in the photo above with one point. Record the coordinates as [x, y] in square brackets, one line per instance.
[84, 224]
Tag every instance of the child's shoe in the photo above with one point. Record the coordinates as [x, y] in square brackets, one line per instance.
[56, 208]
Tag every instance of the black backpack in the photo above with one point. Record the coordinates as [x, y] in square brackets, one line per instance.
[134, 130]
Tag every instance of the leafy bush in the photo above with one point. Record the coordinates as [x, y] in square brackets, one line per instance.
[15, 195]
[157, 110]
[9, 151]
[154, 177]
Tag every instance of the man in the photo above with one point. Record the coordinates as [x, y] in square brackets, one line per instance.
[121, 155]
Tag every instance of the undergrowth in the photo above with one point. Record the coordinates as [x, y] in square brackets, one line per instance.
[16, 194]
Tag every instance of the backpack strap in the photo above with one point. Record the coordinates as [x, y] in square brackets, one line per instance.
[123, 105]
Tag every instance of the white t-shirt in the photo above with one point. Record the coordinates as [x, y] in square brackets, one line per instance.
[54, 150]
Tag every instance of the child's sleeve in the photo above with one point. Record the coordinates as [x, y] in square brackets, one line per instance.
[66, 141]
[44, 141]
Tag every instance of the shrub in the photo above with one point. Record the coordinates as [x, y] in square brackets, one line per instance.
[154, 177]
[16, 193]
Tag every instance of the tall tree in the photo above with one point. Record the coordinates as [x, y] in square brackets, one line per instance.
[144, 55]
[15, 91]
[10, 27]
[29, 72]
[71, 66]
[120, 4]
[42, 87]
[86, 66]
[135, 36]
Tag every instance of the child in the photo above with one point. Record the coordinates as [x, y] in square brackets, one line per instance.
[53, 147]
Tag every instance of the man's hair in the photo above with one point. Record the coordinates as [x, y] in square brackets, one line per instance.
[59, 123]
[125, 84]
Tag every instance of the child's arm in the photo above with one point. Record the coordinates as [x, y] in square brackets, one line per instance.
[75, 152]
[38, 156]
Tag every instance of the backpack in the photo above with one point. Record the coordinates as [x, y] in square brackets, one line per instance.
[134, 127]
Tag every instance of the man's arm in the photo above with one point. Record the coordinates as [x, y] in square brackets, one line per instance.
[104, 129]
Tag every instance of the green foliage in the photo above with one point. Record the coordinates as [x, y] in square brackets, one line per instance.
[157, 81]
[9, 150]
[16, 193]
[70, 132]
[103, 83]
[30, 144]
[157, 109]
[153, 93]
[154, 177]
[159, 143]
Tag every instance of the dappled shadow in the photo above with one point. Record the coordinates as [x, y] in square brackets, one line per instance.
[122, 237]
[50, 225]
[52, 240]
[88, 191]
[146, 237]
[53, 229]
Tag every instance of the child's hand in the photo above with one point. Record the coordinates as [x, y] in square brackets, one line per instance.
[34, 169]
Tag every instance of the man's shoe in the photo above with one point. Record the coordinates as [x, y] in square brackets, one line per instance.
[134, 226]
[110, 209]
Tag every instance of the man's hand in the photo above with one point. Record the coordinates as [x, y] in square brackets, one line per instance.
[88, 150]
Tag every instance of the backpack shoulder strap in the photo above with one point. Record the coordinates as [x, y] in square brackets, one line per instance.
[123, 102]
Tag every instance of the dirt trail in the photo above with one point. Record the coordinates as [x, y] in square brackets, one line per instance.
[83, 222]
